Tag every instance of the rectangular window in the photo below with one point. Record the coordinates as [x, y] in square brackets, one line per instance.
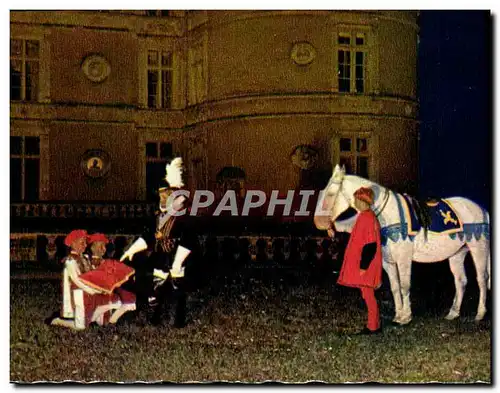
[160, 77]
[351, 63]
[354, 154]
[24, 69]
[157, 156]
[24, 168]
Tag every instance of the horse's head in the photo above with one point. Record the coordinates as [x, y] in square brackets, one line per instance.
[333, 200]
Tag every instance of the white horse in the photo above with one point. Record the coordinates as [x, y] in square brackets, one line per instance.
[400, 249]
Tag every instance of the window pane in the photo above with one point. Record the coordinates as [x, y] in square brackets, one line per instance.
[152, 150]
[166, 84]
[31, 179]
[31, 80]
[362, 166]
[344, 85]
[15, 179]
[360, 85]
[32, 49]
[15, 80]
[360, 77]
[347, 162]
[344, 40]
[166, 150]
[345, 144]
[155, 174]
[153, 58]
[359, 58]
[166, 59]
[32, 145]
[16, 47]
[361, 145]
[360, 40]
[152, 88]
[344, 57]
[344, 70]
[16, 145]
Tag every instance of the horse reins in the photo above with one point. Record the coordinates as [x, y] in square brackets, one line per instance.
[384, 204]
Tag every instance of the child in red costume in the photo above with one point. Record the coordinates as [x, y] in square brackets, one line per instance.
[98, 243]
[82, 304]
[362, 267]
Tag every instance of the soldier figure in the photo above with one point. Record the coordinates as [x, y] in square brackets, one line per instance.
[172, 291]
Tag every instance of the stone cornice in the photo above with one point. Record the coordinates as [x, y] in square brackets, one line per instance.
[94, 113]
[141, 25]
[310, 104]
[324, 104]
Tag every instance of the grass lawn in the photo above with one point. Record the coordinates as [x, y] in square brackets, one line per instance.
[251, 330]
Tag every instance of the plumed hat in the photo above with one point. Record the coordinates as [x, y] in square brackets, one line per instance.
[174, 173]
[75, 235]
[98, 237]
[364, 194]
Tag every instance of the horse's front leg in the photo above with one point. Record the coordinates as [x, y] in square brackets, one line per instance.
[391, 269]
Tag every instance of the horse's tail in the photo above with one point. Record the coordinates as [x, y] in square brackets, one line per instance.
[423, 214]
[489, 270]
[489, 250]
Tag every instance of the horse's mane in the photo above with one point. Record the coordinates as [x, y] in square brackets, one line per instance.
[423, 211]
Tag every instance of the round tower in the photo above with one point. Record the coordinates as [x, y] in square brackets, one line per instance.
[288, 94]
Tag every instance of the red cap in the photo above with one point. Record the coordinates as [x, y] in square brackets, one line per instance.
[98, 237]
[75, 235]
[365, 194]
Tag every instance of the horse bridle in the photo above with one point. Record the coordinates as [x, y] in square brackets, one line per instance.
[384, 203]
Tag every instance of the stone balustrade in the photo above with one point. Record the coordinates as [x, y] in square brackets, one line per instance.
[81, 210]
[49, 247]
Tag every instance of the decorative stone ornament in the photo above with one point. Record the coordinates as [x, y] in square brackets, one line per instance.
[96, 163]
[96, 68]
[303, 53]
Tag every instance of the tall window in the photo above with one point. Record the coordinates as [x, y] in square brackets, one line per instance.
[24, 168]
[157, 156]
[160, 76]
[351, 57]
[354, 154]
[24, 69]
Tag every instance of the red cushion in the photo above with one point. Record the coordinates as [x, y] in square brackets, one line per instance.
[108, 276]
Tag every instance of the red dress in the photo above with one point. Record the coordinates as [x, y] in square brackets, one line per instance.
[366, 230]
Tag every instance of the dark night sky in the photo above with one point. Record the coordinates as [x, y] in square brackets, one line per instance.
[455, 91]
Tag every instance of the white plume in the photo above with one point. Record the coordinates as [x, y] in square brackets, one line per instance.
[174, 173]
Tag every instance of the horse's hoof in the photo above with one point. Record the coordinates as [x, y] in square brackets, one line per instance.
[451, 316]
[479, 318]
[404, 322]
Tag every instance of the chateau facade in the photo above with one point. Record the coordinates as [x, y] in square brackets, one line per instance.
[266, 100]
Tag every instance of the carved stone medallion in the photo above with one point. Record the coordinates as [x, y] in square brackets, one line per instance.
[303, 53]
[96, 68]
[96, 163]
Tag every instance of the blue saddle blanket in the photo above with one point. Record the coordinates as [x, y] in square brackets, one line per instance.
[444, 217]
